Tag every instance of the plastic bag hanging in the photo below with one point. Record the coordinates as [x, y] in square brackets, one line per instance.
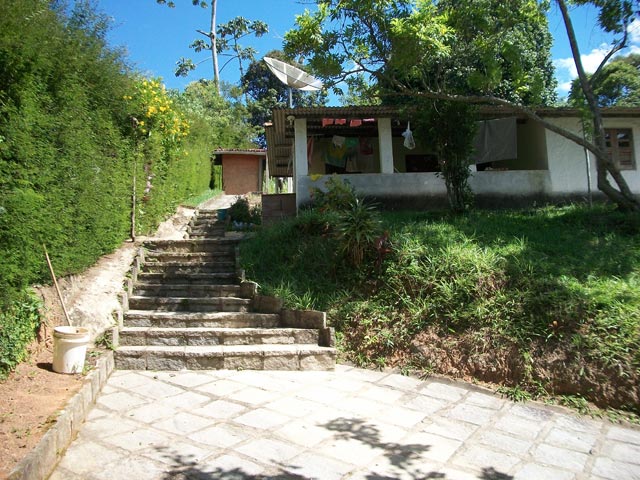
[409, 142]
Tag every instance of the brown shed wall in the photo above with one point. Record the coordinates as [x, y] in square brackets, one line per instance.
[240, 173]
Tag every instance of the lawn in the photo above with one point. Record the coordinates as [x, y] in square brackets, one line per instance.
[543, 301]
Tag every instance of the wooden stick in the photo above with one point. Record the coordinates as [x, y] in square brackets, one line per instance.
[55, 283]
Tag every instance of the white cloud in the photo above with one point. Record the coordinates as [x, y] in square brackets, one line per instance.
[634, 32]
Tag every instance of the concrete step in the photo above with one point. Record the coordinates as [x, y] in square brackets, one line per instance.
[188, 257]
[185, 290]
[190, 304]
[231, 357]
[207, 229]
[188, 278]
[214, 245]
[144, 318]
[173, 268]
[132, 336]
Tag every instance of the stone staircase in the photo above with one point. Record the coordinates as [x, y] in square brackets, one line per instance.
[188, 307]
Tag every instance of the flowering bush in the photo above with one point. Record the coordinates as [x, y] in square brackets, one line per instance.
[153, 112]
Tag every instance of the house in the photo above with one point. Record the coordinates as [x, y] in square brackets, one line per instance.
[517, 161]
[243, 170]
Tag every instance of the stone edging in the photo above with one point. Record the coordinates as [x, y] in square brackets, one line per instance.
[42, 460]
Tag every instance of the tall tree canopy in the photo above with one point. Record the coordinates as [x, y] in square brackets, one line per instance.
[617, 85]
[469, 51]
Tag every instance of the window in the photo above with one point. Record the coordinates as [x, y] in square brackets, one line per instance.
[620, 147]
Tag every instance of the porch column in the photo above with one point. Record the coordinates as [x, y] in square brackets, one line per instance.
[385, 144]
[300, 165]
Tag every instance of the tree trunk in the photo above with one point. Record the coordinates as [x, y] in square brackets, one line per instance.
[214, 46]
[622, 197]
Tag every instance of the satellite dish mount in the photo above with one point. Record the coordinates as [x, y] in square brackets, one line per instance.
[293, 77]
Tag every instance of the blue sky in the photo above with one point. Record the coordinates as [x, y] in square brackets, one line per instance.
[155, 36]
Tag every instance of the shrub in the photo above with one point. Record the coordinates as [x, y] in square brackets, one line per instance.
[18, 327]
[241, 211]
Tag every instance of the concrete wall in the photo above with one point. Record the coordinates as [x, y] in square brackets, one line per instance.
[241, 173]
[520, 185]
[568, 165]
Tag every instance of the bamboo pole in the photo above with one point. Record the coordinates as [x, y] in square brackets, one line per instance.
[55, 283]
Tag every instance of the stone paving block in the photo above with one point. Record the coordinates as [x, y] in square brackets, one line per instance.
[253, 396]
[204, 362]
[186, 400]
[401, 382]
[560, 457]
[388, 467]
[229, 466]
[623, 452]
[323, 361]
[384, 395]
[220, 435]
[138, 439]
[157, 389]
[359, 451]
[126, 379]
[534, 470]
[150, 415]
[505, 443]
[345, 384]
[220, 387]
[121, 401]
[450, 429]
[530, 412]
[269, 451]
[579, 441]
[301, 432]
[111, 423]
[220, 409]
[443, 391]
[262, 418]
[293, 407]
[362, 406]
[168, 361]
[426, 446]
[312, 465]
[615, 470]
[190, 379]
[483, 459]
[88, 457]
[403, 417]
[624, 434]
[472, 414]
[281, 362]
[131, 468]
[243, 362]
[519, 426]
[423, 403]
[485, 400]
[323, 395]
[184, 423]
[177, 453]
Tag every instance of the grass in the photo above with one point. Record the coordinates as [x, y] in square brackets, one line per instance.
[196, 200]
[538, 282]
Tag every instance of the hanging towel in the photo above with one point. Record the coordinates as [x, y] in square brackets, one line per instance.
[355, 122]
[338, 141]
[327, 121]
[340, 121]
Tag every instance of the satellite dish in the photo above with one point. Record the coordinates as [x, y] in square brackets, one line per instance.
[293, 77]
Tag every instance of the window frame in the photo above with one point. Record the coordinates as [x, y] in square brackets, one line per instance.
[615, 150]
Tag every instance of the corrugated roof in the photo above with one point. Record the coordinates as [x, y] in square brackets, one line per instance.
[248, 151]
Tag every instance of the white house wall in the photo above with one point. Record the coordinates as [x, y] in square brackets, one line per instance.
[567, 163]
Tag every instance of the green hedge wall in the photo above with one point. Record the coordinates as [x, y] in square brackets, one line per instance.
[68, 149]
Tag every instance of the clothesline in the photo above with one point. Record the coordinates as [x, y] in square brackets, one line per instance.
[353, 122]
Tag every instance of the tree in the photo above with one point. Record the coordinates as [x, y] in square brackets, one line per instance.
[408, 48]
[265, 92]
[219, 39]
[617, 85]
[469, 51]
[614, 17]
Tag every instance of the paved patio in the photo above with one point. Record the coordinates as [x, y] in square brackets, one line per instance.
[351, 423]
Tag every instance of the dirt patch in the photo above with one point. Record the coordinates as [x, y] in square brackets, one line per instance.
[31, 398]
[557, 368]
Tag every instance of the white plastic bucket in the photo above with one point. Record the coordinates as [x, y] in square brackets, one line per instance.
[69, 349]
